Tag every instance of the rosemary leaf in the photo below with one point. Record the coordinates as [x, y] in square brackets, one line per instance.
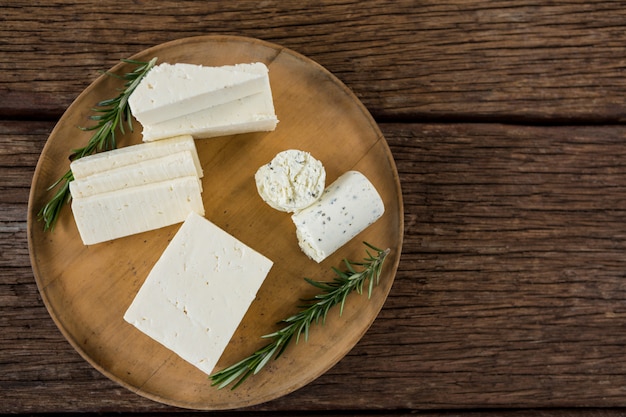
[334, 292]
[111, 114]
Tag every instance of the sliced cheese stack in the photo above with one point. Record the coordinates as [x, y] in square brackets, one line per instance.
[136, 188]
[202, 101]
[291, 181]
[198, 292]
[345, 209]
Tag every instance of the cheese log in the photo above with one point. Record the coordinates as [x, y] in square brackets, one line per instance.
[254, 113]
[128, 155]
[179, 164]
[197, 293]
[125, 212]
[346, 208]
[291, 181]
[173, 90]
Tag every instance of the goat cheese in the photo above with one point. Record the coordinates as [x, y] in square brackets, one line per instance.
[179, 164]
[127, 155]
[198, 292]
[291, 181]
[254, 113]
[173, 90]
[346, 208]
[128, 211]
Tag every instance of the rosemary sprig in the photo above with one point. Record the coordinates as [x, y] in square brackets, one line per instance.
[111, 115]
[334, 292]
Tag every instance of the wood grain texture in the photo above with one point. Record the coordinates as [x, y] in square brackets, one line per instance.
[427, 60]
[509, 297]
[509, 293]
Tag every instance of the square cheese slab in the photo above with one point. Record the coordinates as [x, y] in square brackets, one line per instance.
[198, 292]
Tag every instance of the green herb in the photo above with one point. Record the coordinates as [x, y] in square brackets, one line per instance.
[334, 292]
[111, 116]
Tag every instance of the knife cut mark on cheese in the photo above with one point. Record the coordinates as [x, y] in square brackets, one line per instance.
[197, 293]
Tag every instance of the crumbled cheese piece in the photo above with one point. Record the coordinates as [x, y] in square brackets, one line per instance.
[291, 181]
[346, 208]
[198, 292]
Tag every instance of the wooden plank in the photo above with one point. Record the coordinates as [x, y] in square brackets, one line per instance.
[458, 60]
[511, 286]
[510, 291]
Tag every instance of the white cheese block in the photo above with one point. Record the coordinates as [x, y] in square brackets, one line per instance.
[128, 155]
[198, 292]
[176, 165]
[173, 90]
[115, 214]
[346, 208]
[291, 181]
[254, 113]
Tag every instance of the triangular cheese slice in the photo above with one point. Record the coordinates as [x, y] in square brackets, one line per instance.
[254, 113]
[173, 90]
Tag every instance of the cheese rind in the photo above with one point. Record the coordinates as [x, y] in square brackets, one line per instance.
[173, 90]
[291, 181]
[128, 211]
[347, 207]
[197, 293]
[179, 164]
[254, 113]
[128, 155]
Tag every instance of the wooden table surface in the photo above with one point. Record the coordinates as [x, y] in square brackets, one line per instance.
[506, 121]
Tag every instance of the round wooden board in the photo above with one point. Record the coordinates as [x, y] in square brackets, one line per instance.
[87, 289]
